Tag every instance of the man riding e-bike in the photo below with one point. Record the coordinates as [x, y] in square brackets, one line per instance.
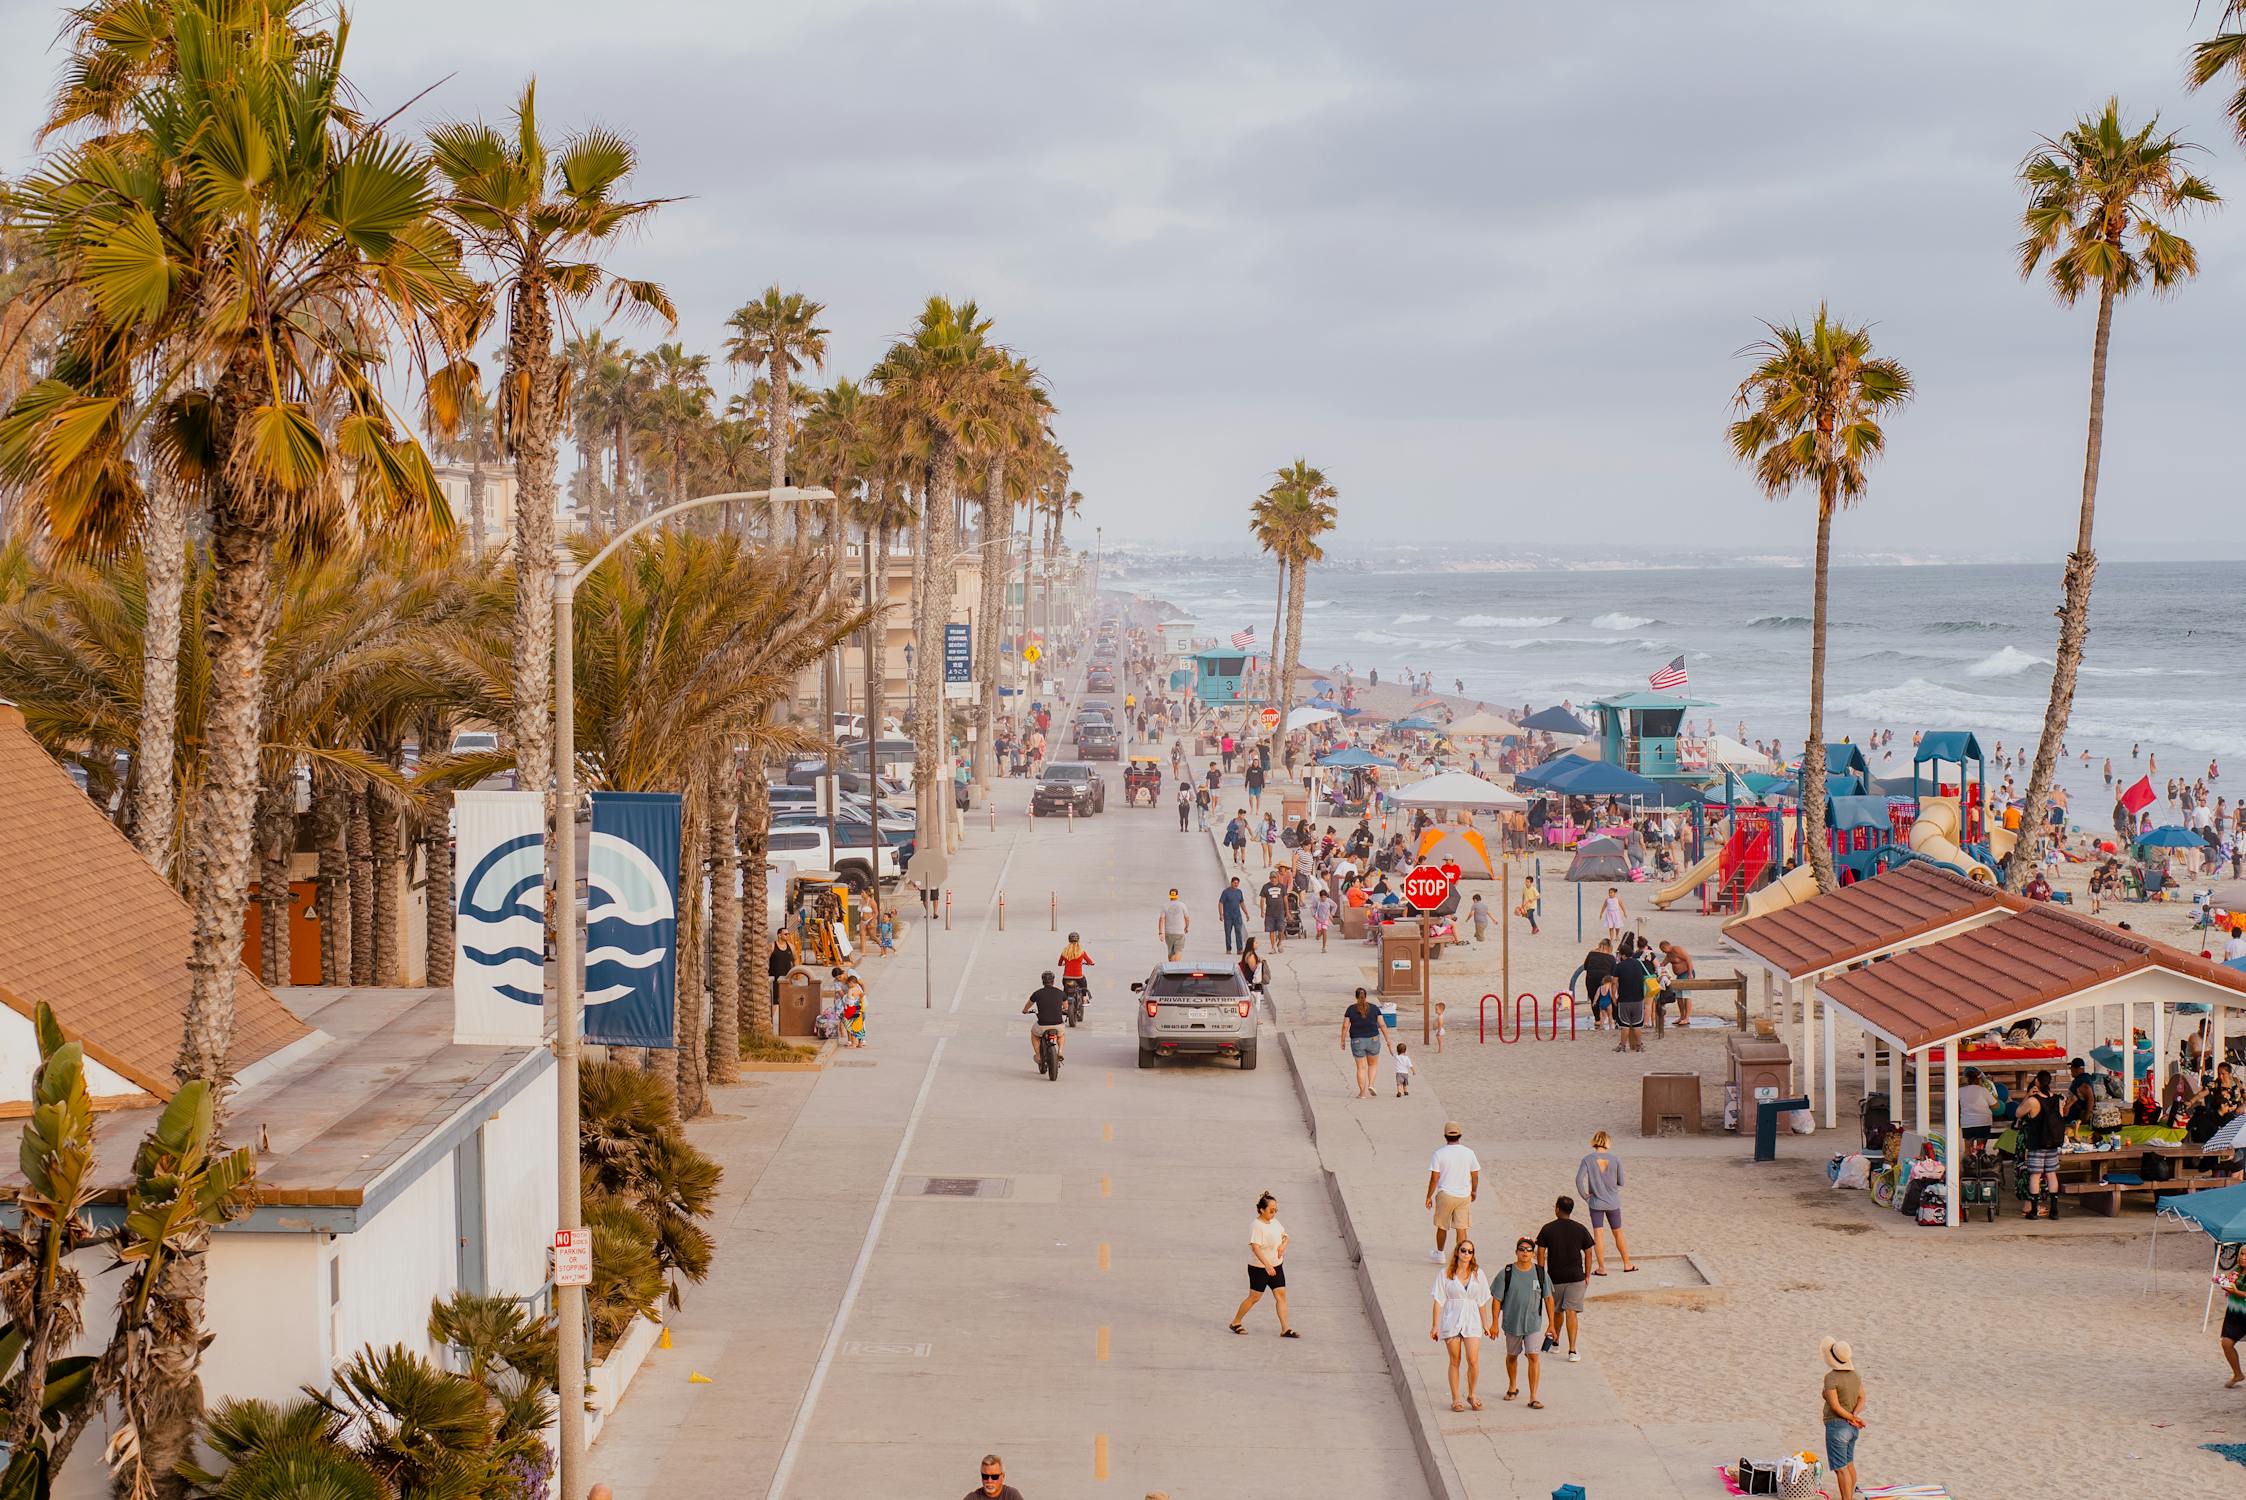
[1074, 961]
[1051, 1006]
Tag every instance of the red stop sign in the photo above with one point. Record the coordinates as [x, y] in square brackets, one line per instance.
[1271, 718]
[1425, 888]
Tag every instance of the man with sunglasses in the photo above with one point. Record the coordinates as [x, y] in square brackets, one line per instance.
[994, 1485]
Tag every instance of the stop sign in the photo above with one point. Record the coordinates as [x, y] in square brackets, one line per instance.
[1271, 718]
[1425, 888]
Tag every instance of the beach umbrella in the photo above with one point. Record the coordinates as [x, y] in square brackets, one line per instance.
[1482, 724]
[1457, 789]
[2172, 836]
[1323, 702]
[1419, 725]
[1307, 715]
[1352, 758]
[1555, 720]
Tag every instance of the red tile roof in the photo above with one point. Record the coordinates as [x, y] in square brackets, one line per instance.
[2037, 954]
[97, 934]
[1862, 918]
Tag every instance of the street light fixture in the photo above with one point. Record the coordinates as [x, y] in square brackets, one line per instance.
[570, 1303]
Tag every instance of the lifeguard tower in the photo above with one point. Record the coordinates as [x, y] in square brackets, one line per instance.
[1642, 732]
[1222, 678]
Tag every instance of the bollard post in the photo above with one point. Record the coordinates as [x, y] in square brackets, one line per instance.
[1072, 817]
[1001, 911]
[990, 806]
[947, 911]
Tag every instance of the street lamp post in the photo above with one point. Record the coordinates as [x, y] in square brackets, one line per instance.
[568, 1001]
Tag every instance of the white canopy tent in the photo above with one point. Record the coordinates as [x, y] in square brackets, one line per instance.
[1304, 717]
[1723, 750]
[1481, 724]
[1456, 789]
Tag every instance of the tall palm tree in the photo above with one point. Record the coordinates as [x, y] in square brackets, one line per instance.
[1021, 410]
[1267, 523]
[587, 357]
[2101, 199]
[778, 331]
[884, 510]
[678, 410]
[540, 217]
[1308, 514]
[1813, 404]
[939, 385]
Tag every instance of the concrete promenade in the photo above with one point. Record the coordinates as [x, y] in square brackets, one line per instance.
[867, 1330]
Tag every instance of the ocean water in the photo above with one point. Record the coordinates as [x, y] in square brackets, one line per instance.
[1957, 647]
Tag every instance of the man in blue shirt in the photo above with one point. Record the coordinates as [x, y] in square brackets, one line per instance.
[1232, 906]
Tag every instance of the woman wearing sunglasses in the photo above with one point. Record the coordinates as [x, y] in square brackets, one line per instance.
[1460, 1318]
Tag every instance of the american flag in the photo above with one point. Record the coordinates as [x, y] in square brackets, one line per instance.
[1670, 676]
[1244, 638]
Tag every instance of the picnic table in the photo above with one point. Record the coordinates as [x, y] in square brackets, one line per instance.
[2090, 1175]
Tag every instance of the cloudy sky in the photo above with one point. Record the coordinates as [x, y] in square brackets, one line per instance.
[1486, 263]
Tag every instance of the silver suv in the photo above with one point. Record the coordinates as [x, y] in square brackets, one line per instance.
[1186, 1007]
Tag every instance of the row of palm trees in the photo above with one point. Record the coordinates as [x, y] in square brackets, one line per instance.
[2103, 200]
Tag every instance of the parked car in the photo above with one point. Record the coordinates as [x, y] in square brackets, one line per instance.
[808, 772]
[1068, 785]
[1196, 1008]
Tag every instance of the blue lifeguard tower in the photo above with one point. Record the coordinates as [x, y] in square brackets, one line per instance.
[1641, 732]
[1221, 677]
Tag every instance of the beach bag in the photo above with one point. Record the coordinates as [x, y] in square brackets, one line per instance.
[2109, 1114]
[1855, 1172]
[1933, 1206]
[1757, 1477]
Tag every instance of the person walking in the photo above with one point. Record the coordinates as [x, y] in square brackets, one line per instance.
[1532, 902]
[1254, 778]
[1563, 1248]
[1459, 1317]
[1232, 910]
[1173, 924]
[1598, 1182]
[1322, 909]
[1254, 970]
[1454, 1181]
[2234, 1324]
[1200, 808]
[1611, 915]
[1236, 838]
[1841, 1403]
[1274, 897]
[1521, 1290]
[1363, 1038]
[1479, 914]
[1268, 837]
[1185, 807]
[2041, 1128]
[1227, 747]
[994, 1485]
[1267, 1267]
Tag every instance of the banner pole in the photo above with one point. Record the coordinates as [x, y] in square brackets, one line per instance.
[569, 1302]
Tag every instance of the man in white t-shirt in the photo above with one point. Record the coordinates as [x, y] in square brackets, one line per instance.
[1175, 923]
[1454, 1181]
[2236, 947]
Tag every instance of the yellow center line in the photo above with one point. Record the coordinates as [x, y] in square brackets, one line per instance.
[1099, 1456]
[1107, 1131]
[1103, 1255]
[1107, 1188]
[1099, 1351]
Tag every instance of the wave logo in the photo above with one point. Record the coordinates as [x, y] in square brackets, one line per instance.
[502, 919]
[631, 922]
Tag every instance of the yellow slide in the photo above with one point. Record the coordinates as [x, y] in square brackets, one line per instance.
[1691, 880]
[1797, 884]
[1934, 836]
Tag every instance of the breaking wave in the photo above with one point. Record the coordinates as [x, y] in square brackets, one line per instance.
[1622, 622]
[2010, 662]
[1961, 627]
[1780, 622]
[1510, 622]
[1411, 619]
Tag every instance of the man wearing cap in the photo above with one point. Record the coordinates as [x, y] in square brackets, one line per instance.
[1174, 924]
[1454, 1181]
[1841, 1404]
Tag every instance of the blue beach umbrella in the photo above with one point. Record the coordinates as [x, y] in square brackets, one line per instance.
[1424, 726]
[1352, 758]
[2172, 836]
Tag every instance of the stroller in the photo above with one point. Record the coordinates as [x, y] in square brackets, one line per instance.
[1295, 928]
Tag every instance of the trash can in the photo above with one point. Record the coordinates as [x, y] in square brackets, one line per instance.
[801, 996]
[1669, 1103]
[1399, 958]
[1759, 1068]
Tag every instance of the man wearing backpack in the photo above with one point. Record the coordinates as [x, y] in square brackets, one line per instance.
[1522, 1289]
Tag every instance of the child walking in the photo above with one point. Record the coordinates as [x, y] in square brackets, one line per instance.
[887, 933]
[1405, 1067]
[1439, 1009]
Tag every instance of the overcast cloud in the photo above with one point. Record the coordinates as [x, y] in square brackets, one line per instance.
[1487, 264]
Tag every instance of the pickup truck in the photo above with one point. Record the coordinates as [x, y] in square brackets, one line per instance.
[804, 841]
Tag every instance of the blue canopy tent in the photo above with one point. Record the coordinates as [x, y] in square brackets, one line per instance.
[1423, 726]
[1324, 702]
[1555, 720]
[1539, 777]
[1353, 758]
[2219, 1212]
[1595, 778]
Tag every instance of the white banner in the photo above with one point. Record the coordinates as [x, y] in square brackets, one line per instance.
[499, 921]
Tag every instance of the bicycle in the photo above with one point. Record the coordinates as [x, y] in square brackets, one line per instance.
[1049, 1052]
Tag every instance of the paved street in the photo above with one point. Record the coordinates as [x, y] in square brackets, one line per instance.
[863, 1335]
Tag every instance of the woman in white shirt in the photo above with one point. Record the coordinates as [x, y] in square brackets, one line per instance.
[1460, 1316]
[1267, 1269]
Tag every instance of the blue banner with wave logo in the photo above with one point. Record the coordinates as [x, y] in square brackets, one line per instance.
[499, 924]
[631, 919]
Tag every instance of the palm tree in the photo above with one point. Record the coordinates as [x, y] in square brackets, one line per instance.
[1018, 423]
[588, 357]
[778, 331]
[472, 437]
[540, 218]
[1813, 403]
[678, 410]
[883, 510]
[1267, 523]
[2100, 201]
[938, 385]
[1308, 513]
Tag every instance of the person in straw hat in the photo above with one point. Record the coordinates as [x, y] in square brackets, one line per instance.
[1841, 1404]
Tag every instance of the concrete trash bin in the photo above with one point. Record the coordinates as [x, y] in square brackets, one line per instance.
[1399, 959]
[801, 995]
[1760, 1068]
[1669, 1101]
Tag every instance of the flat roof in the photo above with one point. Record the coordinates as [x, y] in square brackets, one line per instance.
[1857, 920]
[2035, 956]
[1647, 699]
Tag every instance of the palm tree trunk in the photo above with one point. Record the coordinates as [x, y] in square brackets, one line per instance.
[436, 885]
[476, 502]
[753, 817]
[621, 442]
[1298, 590]
[156, 780]
[220, 839]
[997, 530]
[386, 848]
[776, 445]
[690, 1015]
[1813, 754]
[331, 815]
[1278, 613]
[276, 838]
[877, 628]
[359, 839]
[725, 921]
[2074, 620]
[533, 371]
